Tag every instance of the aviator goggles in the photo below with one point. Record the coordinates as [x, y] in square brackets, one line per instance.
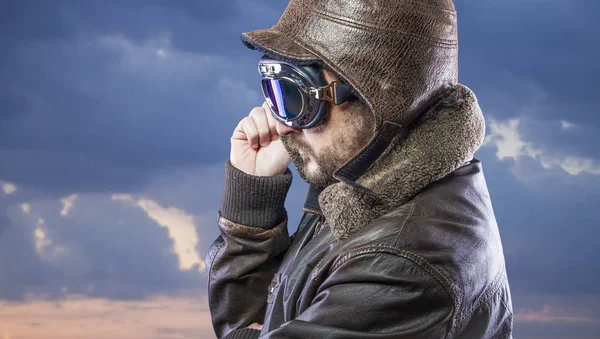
[299, 96]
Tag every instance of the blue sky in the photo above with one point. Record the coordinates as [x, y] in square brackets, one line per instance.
[115, 126]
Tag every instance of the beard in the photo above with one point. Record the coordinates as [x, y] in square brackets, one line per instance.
[327, 161]
[344, 143]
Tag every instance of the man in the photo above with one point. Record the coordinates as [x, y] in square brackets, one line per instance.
[398, 238]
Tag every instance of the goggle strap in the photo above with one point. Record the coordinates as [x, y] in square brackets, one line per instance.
[342, 93]
[336, 93]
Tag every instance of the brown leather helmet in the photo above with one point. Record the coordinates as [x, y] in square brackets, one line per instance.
[398, 55]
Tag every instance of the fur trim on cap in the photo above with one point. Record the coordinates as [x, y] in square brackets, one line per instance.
[443, 140]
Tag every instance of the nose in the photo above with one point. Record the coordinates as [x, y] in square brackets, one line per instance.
[283, 129]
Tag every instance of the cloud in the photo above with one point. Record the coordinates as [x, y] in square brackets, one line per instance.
[556, 316]
[245, 93]
[78, 317]
[567, 125]
[156, 59]
[41, 240]
[44, 245]
[26, 207]
[67, 203]
[180, 226]
[148, 105]
[550, 314]
[510, 144]
[114, 245]
[534, 208]
[8, 187]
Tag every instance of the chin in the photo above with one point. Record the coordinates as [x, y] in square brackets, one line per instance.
[312, 168]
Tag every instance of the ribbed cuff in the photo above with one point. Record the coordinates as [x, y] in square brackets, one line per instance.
[243, 333]
[254, 200]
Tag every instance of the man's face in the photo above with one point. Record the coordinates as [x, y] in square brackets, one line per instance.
[318, 152]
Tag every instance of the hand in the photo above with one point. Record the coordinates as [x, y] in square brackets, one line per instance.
[255, 326]
[256, 148]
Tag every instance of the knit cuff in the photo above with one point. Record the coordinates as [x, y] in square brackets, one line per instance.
[243, 333]
[254, 200]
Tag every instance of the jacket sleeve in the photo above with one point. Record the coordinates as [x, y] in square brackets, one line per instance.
[374, 295]
[244, 258]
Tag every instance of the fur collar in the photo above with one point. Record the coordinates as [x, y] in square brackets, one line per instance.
[443, 139]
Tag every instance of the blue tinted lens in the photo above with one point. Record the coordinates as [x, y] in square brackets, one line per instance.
[285, 96]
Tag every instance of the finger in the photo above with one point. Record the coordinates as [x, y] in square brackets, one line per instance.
[272, 122]
[262, 124]
[250, 130]
[238, 132]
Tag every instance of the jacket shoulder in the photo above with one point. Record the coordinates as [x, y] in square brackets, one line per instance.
[450, 231]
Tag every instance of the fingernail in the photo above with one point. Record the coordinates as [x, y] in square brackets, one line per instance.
[254, 146]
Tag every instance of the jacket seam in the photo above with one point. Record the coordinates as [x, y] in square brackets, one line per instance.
[508, 309]
[219, 248]
[418, 260]
[493, 288]
[235, 229]
[410, 213]
[313, 211]
[211, 258]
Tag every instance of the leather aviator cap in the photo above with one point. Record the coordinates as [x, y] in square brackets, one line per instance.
[398, 55]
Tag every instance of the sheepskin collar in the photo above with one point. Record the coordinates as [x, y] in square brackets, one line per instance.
[400, 164]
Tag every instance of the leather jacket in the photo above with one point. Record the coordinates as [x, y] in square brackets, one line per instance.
[430, 268]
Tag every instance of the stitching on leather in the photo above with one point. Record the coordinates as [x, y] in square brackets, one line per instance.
[420, 261]
[310, 210]
[363, 25]
[258, 40]
[213, 257]
[314, 275]
[211, 268]
[493, 288]
[508, 309]
[412, 208]
[228, 226]
[315, 270]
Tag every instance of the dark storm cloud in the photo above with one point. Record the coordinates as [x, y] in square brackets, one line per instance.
[48, 65]
[551, 43]
[92, 104]
[537, 60]
[89, 103]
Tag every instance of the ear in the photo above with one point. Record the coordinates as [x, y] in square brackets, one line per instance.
[329, 76]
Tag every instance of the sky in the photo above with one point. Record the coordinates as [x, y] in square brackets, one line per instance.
[115, 119]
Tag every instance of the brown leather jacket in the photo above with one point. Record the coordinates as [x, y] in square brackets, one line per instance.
[431, 266]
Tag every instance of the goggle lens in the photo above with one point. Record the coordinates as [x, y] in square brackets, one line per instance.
[285, 97]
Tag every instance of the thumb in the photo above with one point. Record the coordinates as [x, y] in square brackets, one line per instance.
[271, 120]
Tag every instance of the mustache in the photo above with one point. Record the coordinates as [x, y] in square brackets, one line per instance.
[293, 144]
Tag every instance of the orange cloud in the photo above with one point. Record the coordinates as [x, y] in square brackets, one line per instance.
[86, 318]
[550, 314]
